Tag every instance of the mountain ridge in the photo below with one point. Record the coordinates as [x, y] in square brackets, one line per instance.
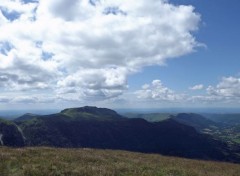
[197, 121]
[105, 129]
[91, 113]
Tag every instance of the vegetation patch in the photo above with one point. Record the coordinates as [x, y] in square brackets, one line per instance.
[41, 161]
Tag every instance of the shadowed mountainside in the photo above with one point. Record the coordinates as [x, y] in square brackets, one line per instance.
[91, 127]
[195, 120]
[227, 119]
[10, 134]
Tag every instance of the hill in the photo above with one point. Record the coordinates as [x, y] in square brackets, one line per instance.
[150, 117]
[91, 162]
[91, 113]
[197, 121]
[91, 127]
[227, 119]
[27, 116]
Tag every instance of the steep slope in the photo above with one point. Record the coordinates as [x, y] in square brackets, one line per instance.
[92, 127]
[10, 135]
[195, 120]
[223, 127]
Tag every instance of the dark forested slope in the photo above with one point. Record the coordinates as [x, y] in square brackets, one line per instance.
[91, 127]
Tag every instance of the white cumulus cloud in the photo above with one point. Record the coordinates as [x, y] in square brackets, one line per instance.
[228, 87]
[158, 92]
[87, 49]
[197, 87]
[224, 93]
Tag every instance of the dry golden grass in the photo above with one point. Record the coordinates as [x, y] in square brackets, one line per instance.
[90, 162]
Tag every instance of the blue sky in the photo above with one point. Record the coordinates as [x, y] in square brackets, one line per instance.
[219, 31]
[119, 54]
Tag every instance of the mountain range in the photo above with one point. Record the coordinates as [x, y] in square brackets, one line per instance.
[92, 127]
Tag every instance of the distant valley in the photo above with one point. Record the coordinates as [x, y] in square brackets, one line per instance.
[224, 127]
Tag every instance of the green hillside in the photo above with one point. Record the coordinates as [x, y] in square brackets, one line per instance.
[151, 117]
[91, 162]
[91, 113]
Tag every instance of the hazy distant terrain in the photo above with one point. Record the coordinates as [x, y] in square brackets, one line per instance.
[13, 114]
[224, 126]
[151, 117]
[230, 126]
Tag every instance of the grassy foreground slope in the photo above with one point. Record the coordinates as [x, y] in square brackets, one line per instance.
[77, 162]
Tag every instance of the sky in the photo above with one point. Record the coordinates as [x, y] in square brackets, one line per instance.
[119, 54]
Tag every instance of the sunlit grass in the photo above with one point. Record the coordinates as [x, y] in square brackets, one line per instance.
[90, 162]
